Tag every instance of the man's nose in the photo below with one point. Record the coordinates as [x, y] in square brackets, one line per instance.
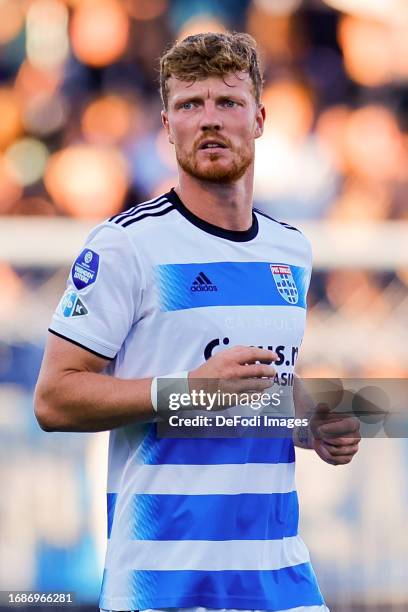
[210, 117]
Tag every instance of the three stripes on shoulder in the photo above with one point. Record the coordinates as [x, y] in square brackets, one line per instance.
[157, 207]
[152, 208]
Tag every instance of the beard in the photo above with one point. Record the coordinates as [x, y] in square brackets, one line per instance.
[214, 169]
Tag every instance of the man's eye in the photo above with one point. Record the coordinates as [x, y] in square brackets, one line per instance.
[187, 105]
[230, 103]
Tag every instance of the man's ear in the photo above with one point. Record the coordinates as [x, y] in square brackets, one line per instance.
[166, 125]
[260, 120]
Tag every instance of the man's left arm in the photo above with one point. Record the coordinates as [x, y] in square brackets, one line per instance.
[335, 437]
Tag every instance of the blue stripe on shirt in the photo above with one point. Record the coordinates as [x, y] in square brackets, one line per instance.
[230, 283]
[289, 587]
[111, 503]
[245, 516]
[213, 451]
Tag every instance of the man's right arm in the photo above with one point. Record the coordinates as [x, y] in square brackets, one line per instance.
[73, 394]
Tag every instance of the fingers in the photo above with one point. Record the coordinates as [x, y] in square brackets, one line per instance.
[246, 385]
[344, 460]
[258, 370]
[343, 441]
[337, 441]
[348, 426]
[255, 384]
[252, 354]
[344, 450]
[335, 455]
[236, 363]
[323, 452]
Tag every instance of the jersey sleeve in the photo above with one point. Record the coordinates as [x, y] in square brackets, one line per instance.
[103, 293]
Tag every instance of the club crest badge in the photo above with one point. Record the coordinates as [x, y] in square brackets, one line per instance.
[284, 281]
[85, 269]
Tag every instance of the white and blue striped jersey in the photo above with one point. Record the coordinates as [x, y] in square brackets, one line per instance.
[194, 522]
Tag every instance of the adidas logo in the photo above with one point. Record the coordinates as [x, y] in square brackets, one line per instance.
[203, 283]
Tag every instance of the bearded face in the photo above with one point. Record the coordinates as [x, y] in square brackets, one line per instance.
[207, 162]
[213, 124]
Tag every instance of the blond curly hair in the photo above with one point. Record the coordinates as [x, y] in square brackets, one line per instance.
[211, 54]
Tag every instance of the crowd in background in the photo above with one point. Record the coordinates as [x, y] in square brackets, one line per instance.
[81, 132]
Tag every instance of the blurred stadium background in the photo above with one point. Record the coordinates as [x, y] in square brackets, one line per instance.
[80, 139]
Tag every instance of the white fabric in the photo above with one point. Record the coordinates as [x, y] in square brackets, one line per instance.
[230, 479]
[211, 556]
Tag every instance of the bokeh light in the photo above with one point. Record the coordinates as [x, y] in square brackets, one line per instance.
[399, 36]
[163, 186]
[403, 275]
[44, 114]
[12, 291]
[10, 113]
[200, 23]
[144, 10]
[373, 144]
[278, 7]
[35, 205]
[87, 181]
[99, 31]
[47, 34]
[107, 120]
[367, 50]
[385, 10]
[289, 109]
[271, 31]
[31, 81]
[353, 291]
[362, 201]
[10, 189]
[330, 129]
[165, 150]
[11, 20]
[289, 155]
[27, 159]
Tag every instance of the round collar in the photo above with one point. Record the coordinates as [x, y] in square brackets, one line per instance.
[215, 230]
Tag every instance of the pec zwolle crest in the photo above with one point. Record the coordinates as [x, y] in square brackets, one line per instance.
[285, 284]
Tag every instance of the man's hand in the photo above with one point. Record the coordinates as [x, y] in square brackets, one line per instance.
[335, 437]
[236, 370]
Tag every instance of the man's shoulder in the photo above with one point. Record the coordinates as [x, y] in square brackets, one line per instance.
[287, 236]
[132, 230]
[150, 210]
[283, 224]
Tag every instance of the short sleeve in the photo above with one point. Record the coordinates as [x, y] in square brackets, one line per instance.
[103, 294]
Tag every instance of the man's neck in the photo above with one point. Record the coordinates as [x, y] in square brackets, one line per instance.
[228, 206]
